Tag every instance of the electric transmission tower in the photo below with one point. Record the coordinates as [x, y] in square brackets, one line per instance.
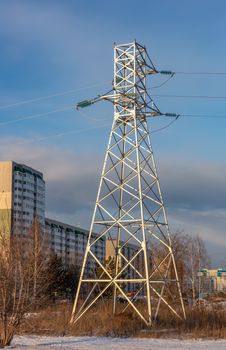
[129, 209]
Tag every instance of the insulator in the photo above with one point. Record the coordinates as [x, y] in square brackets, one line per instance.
[171, 115]
[84, 103]
[166, 72]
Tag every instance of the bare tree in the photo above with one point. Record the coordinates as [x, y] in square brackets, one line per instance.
[198, 259]
[190, 255]
[38, 254]
[22, 279]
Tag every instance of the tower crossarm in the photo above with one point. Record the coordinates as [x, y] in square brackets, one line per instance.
[129, 98]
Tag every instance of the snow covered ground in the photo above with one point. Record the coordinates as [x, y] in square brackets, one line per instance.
[103, 343]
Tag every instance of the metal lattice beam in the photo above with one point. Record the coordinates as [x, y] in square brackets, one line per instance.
[129, 210]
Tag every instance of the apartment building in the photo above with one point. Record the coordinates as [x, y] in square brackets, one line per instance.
[22, 197]
[69, 243]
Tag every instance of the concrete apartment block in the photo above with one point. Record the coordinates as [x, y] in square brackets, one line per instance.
[69, 243]
[22, 197]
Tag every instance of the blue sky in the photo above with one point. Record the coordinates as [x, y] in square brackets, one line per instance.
[56, 46]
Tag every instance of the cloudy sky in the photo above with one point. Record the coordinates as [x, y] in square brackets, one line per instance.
[63, 51]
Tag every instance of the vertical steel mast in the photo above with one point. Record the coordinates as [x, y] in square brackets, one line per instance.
[129, 209]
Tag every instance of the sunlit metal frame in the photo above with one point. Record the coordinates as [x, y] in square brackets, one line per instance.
[129, 200]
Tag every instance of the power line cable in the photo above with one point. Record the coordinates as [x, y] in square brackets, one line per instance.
[65, 108]
[63, 134]
[107, 124]
[40, 115]
[201, 73]
[86, 116]
[102, 125]
[36, 116]
[178, 115]
[73, 132]
[51, 96]
[97, 85]
[193, 115]
[190, 96]
[203, 115]
[160, 85]
[164, 127]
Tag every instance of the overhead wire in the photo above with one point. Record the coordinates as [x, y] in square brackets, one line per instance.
[77, 131]
[152, 64]
[61, 134]
[160, 85]
[203, 115]
[36, 116]
[51, 96]
[164, 127]
[105, 125]
[39, 115]
[189, 96]
[201, 73]
[45, 97]
[95, 120]
[86, 116]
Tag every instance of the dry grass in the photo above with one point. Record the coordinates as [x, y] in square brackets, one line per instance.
[54, 320]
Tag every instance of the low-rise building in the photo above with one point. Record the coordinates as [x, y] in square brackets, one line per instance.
[212, 280]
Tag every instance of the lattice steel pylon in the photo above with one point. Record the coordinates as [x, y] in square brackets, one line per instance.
[129, 211]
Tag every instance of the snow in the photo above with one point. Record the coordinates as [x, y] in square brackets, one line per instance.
[104, 343]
